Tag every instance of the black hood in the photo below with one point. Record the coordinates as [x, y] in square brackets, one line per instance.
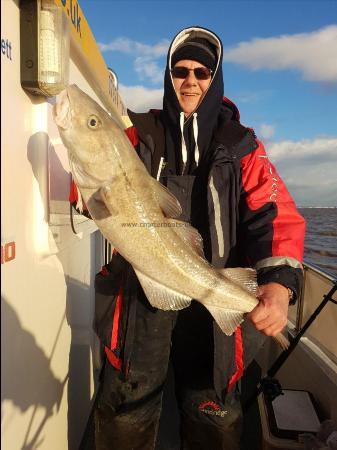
[207, 112]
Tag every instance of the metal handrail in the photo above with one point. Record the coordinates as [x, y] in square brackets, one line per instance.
[320, 271]
[268, 384]
[300, 302]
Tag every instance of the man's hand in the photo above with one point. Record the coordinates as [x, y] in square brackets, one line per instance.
[270, 315]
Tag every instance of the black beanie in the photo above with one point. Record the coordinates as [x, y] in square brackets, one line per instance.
[197, 49]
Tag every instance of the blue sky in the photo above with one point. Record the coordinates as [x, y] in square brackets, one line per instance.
[280, 68]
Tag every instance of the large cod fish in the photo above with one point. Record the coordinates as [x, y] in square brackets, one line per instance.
[138, 215]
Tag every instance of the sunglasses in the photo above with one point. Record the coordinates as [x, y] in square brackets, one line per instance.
[200, 73]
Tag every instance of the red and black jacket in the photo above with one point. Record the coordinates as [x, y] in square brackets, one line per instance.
[269, 231]
[259, 224]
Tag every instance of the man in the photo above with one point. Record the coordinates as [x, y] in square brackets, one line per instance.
[232, 194]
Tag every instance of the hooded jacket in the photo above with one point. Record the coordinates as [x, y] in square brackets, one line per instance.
[239, 203]
[191, 146]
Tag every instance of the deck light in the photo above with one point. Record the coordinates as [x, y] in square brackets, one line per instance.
[45, 43]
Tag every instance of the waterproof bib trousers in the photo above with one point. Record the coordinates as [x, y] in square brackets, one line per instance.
[128, 410]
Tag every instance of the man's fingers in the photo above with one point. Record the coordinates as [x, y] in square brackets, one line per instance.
[271, 325]
[272, 330]
[270, 315]
[259, 313]
[265, 323]
[268, 321]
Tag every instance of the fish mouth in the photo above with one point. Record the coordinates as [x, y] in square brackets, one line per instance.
[62, 110]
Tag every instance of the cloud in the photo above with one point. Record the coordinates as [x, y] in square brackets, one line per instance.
[125, 45]
[250, 97]
[145, 56]
[122, 45]
[324, 148]
[308, 167]
[140, 99]
[267, 131]
[146, 67]
[313, 54]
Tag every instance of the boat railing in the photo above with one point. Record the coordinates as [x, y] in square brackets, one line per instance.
[323, 331]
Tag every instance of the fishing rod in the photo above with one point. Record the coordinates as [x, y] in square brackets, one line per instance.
[270, 386]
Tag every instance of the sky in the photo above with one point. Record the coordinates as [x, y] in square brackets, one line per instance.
[280, 69]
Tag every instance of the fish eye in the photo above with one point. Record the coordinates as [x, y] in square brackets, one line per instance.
[94, 122]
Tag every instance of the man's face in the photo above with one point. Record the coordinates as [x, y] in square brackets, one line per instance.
[190, 90]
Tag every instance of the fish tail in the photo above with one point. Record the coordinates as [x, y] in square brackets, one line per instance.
[282, 341]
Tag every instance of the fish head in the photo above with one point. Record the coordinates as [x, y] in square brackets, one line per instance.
[88, 132]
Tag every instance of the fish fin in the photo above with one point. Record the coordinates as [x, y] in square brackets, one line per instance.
[189, 235]
[282, 341]
[167, 201]
[160, 296]
[245, 277]
[106, 196]
[227, 319]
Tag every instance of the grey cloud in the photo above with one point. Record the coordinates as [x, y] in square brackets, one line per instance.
[308, 168]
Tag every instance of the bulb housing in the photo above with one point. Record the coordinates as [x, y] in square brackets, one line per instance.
[45, 47]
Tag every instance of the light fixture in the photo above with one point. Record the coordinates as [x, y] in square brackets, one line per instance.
[44, 45]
